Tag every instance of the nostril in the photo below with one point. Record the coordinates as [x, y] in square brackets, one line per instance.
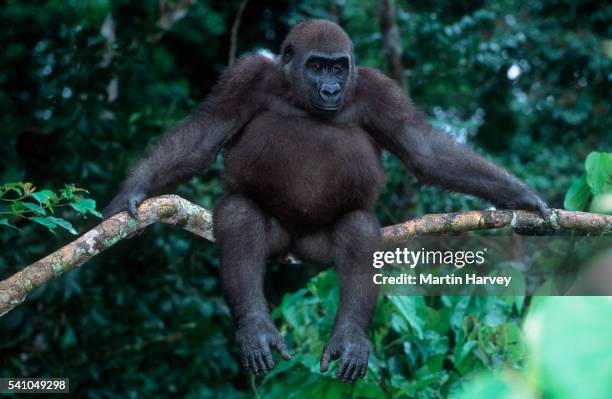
[328, 91]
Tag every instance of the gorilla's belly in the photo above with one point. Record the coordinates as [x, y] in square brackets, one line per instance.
[304, 172]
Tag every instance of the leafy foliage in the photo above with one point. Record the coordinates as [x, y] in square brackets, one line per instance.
[557, 366]
[24, 202]
[595, 185]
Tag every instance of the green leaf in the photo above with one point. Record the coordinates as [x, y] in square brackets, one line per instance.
[493, 386]
[577, 196]
[85, 206]
[45, 197]
[570, 344]
[16, 187]
[63, 223]
[464, 360]
[512, 343]
[5, 222]
[35, 208]
[599, 172]
[607, 47]
[437, 319]
[281, 367]
[548, 288]
[423, 381]
[134, 117]
[67, 192]
[68, 339]
[601, 203]
[18, 207]
[52, 222]
[45, 221]
[411, 308]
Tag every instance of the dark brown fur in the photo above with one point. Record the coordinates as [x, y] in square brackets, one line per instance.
[302, 180]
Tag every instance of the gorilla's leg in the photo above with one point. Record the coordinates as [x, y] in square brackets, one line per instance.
[349, 244]
[247, 236]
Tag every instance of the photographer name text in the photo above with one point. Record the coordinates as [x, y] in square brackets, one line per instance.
[430, 279]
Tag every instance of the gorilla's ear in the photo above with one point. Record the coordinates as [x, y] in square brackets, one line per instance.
[288, 54]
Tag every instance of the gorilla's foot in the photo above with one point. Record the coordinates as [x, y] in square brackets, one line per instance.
[351, 346]
[256, 338]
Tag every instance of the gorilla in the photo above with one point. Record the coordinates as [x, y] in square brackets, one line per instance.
[301, 138]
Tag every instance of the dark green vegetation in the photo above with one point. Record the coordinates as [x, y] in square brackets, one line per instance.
[86, 85]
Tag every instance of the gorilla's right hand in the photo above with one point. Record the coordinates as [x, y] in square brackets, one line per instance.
[126, 200]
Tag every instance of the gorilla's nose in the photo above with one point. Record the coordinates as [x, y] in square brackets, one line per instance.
[330, 92]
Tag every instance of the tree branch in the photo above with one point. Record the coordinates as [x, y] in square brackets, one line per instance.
[393, 48]
[234, 32]
[175, 210]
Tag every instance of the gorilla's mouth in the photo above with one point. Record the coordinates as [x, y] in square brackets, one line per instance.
[327, 108]
[335, 108]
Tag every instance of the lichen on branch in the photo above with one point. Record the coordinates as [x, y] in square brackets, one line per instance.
[175, 210]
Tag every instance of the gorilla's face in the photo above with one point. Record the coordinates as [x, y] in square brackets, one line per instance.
[325, 76]
[317, 61]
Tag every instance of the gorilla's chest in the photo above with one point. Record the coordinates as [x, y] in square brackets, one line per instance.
[304, 171]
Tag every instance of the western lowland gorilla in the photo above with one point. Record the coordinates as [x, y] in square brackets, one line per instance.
[301, 139]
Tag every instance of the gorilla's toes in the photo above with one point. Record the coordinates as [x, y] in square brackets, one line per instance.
[353, 362]
[256, 349]
[353, 352]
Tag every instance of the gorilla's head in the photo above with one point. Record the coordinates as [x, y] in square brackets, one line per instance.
[317, 60]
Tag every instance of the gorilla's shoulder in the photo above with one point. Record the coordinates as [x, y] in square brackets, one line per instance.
[252, 65]
[381, 95]
[369, 79]
[246, 75]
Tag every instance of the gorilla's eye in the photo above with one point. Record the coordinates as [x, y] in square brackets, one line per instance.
[338, 68]
[316, 66]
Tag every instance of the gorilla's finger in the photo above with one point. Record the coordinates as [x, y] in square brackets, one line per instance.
[133, 208]
[250, 362]
[544, 210]
[269, 361]
[348, 370]
[324, 366]
[281, 347]
[253, 364]
[361, 369]
[356, 371]
[261, 364]
[344, 363]
[265, 343]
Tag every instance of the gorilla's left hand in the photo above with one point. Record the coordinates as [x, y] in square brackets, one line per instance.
[527, 200]
[351, 346]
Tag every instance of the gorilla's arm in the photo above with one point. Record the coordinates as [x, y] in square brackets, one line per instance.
[192, 145]
[188, 149]
[433, 157]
